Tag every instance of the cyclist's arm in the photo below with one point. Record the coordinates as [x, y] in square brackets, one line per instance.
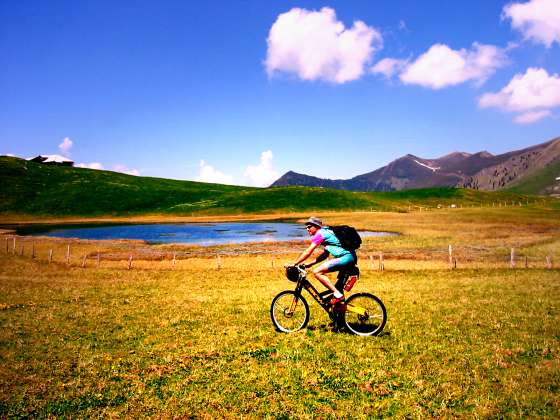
[305, 254]
[321, 257]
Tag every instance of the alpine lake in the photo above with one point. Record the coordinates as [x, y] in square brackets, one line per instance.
[204, 234]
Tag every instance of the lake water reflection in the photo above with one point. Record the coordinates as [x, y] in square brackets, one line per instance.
[193, 233]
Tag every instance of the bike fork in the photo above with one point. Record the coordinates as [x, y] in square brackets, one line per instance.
[294, 304]
[297, 294]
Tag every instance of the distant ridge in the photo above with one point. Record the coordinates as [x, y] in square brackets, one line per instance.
[481, 170]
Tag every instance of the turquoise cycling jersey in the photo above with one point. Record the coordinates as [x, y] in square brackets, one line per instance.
[328, 239]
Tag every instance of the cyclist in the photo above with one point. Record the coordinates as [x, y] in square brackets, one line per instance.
[322, 235]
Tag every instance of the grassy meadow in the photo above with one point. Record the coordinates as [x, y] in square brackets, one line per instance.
[194, 338]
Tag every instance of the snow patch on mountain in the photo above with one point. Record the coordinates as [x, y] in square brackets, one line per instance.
[426, 166]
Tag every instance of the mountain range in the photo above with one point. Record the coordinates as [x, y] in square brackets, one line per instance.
[536, 166]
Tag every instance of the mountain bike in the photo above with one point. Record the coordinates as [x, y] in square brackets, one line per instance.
[362, 313]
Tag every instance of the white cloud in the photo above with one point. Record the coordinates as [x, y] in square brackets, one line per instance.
[442, 66]
[537, 20]
[533, 93]
[65, 146]
[389, 67]
[92, 165]
[117, 168]
[314, 45]
[263, 174]
[532, 117]
[207, 173]
[532, 90]
[125, 170]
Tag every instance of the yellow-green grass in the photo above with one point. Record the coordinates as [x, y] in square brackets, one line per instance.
[192, 339]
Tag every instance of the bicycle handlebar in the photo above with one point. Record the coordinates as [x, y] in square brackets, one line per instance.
[293, 265]
[301, 267]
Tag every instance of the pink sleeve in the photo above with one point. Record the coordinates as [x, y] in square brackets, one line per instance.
[317, 239]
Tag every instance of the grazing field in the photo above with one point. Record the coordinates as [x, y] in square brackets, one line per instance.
[195, 338]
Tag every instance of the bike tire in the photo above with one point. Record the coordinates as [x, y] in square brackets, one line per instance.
[373, 322]
[280, 312]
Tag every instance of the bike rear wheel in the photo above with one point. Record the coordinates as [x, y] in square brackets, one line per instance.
[365, 314]
[289, 311]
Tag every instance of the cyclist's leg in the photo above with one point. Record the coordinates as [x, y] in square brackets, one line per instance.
[329, 266]
[320, 274]
[345, 267]
[340, 280]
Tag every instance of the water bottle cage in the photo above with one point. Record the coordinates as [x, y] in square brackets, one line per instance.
[351, 282]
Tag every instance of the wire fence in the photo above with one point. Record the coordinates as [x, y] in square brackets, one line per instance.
[130, 255]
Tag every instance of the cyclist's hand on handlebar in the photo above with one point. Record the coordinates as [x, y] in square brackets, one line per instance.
[302, 266]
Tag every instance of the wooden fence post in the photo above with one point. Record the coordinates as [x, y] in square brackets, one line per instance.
[14, 247]
[130, 262]
[548, 262]
[50, 256]
[84, 261]
[381, 262]
[526, 262]
[450, 256]
[68, 254]
[174, 259]
[98, 259]
[7, 246]
[371, 262]
[33, 250]
[512, 258]
[219, 261]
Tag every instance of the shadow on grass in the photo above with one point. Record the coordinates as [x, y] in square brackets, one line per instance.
[340, 329]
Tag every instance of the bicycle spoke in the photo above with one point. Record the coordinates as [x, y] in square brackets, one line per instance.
[365, 314]
[289, 312]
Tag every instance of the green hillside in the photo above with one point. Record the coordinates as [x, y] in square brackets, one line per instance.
[33, 188]
[540, 182]
[36, 189]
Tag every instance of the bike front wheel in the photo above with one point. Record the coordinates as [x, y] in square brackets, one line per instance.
[289, 312]
[365, 314]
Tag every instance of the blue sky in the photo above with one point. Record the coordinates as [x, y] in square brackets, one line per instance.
[243, 91]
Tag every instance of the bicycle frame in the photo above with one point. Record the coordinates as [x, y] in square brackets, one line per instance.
[322, 298]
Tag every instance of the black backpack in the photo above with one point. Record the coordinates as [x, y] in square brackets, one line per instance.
[348, 237]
